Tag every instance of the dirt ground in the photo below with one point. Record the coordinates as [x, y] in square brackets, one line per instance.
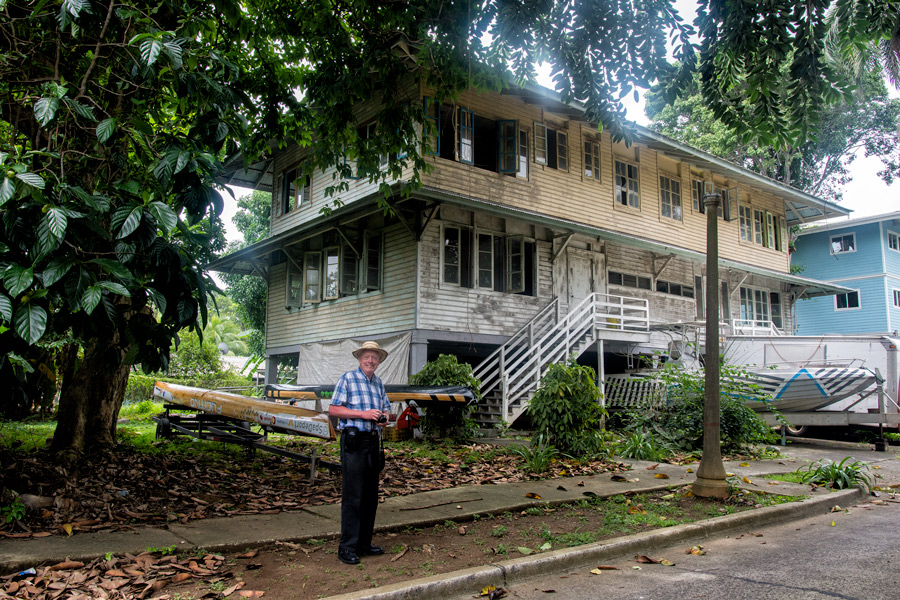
[312, 570]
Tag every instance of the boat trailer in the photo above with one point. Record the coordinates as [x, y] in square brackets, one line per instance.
[228, 418]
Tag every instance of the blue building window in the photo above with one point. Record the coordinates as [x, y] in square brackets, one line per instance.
[848, 301]
[843, 243]
[893, 241]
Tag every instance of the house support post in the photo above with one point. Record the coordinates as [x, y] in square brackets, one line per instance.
[418, 356]
[271, 370]
[711, 479]
[601, 378]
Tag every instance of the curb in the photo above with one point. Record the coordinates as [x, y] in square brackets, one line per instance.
[506, 573]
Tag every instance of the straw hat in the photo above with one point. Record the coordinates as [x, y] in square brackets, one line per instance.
[382, 353]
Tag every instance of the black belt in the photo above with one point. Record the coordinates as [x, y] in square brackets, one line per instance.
[356, 431]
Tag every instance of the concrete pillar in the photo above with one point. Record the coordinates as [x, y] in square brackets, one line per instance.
[418, 356]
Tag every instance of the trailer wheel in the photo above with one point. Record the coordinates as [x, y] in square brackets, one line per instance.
[163, 429]
[796, 431]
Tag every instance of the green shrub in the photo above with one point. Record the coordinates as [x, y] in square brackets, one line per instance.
[539, 456]
[641, 445]
[448, 420]
[838, 475]
[680, 424]
[566, 412]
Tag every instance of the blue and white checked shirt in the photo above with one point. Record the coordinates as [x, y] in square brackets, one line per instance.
[355, 391]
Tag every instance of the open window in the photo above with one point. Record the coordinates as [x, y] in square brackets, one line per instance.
[296, 189]
[294, 287]
[331, 290]
[312, 277]
[551, 147]
[488, 261]
[372, 261]
[591, 160]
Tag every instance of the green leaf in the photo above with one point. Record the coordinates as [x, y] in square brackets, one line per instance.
[164, 215]
[91, 298]
[7, 190]
[5, 308]
[17, 279]
[115, 288]
[56, 269]
[113, 267]
[183, 158]
[30, 322]
[45, 109]
[186, 310]
[173, 51]
[157, 298]
[82, 110]
[150, 50]
[32, 179]
[105, 129]
[57, 220]
[131, 223]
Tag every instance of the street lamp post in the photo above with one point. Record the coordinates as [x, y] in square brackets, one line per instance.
[710, 482]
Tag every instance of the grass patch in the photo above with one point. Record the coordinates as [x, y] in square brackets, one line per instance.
[792, 477]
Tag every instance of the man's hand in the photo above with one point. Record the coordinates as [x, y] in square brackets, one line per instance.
[373, 414]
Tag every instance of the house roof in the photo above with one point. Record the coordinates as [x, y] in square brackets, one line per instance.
[252, 260]
[838, 225]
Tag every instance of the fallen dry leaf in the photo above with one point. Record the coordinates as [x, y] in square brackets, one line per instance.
[67, 565]
[251, 593]
[661, 476]
[399, 554]
[250, 554]
[645, 560]
[532, 495]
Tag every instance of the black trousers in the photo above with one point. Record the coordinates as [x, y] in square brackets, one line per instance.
[360, 469]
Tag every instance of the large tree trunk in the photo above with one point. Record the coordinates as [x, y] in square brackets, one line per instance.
[91, 396]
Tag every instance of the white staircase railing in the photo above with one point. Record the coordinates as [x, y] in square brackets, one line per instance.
[754, 327]
[516, 368]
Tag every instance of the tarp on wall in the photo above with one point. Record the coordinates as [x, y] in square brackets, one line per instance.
[324, 362]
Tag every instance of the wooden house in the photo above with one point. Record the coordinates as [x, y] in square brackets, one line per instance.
[532, 237]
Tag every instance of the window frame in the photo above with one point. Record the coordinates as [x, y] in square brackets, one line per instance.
[295, 196]
[671, 194]
[368, 252]
[507, 146]
[895, 293]
[327, 265]
[348, 282]
[746, 229]
[592, 158]
[515, 248]
[841, 236]
[629, 193]
[770, 231]
[522, 154]
[293, 284]
[698, 189]
[541, 146]
[893, 237]
[431, 122]
[312, 261]
[848, 307]
[562, 151]
[465, 125]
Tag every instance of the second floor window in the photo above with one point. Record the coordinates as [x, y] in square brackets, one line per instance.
[551, 147]
[592, 160]
[893, 241]
[335, 272]
[670, 197]
[296, 189]
[627, 186]
[746, 217]
[843, 243]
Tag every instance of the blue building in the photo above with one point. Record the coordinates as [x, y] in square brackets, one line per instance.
[862, 254]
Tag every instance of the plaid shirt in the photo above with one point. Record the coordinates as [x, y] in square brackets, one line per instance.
[355, 391]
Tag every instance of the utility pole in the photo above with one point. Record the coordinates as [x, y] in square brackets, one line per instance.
[710, 482]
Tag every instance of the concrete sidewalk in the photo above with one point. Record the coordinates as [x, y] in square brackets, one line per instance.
[428, 508]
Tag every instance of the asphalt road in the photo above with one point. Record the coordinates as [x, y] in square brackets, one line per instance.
[857, 558]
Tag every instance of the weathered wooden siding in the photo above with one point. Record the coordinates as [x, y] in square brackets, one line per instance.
[477, 311]
[569, 195]
[360, 188]
[388, 310]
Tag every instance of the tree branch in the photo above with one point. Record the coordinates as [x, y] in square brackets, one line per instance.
[90, 69]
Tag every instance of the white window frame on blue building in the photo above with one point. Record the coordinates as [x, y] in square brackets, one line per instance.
[893, 240]
[843, 247]
[847, 301]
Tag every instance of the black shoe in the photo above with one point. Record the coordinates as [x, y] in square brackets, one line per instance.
[374, 551]
[348, 557]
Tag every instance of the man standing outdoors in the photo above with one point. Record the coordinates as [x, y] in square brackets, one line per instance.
[361, 405]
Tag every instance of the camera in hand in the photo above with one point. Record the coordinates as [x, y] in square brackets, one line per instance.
[382, 419]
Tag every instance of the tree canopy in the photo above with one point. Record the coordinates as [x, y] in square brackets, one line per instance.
[866, 123]
[116, 119]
